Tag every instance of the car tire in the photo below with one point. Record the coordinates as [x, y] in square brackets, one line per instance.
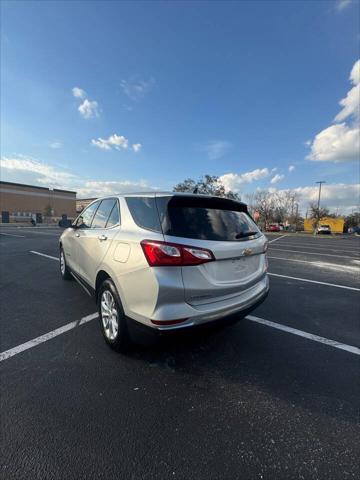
[64, 270]
[112, 318]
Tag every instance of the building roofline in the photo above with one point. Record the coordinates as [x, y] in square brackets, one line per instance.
[35, 186]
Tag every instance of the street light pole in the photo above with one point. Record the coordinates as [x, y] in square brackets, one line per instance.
[318, 206]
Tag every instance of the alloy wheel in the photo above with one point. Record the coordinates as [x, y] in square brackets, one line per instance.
[109, 315]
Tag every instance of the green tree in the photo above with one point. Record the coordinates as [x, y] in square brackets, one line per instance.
[206, 185]
[48, 211]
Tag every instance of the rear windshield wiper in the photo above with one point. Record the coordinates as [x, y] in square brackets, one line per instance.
[245, 234]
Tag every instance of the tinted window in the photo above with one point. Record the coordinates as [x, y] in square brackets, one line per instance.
[144, 212]
[84, 220]
[103, 213]
[205, 219]
[114, 218]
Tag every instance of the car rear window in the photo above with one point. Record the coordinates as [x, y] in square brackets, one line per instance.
[205, 218]
[144, 212]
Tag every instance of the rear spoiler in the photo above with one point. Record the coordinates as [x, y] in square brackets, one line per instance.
[200, 201]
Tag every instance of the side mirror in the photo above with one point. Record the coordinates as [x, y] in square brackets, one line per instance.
[77, 223]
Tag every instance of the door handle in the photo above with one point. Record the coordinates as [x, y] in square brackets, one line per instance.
[77, 234]
[102, 238]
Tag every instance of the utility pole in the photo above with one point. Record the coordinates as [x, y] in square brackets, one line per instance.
[318, 206]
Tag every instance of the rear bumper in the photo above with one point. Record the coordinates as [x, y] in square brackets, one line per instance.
[204, 316]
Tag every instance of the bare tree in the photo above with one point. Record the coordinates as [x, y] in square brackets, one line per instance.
[250, 201]
[264, 204]
[316, 214]
[286, 206]
[276, 207]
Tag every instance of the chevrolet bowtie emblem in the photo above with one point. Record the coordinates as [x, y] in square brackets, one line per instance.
[247, 252]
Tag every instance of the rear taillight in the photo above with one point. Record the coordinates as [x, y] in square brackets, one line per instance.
[162, 254]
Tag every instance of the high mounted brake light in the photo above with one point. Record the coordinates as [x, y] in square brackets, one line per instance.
[165, 254]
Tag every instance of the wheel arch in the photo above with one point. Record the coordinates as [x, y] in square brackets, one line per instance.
[101, 276]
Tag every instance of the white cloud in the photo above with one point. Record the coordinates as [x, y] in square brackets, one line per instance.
[29, 170]
[136, 88]
[338, 197]
[342, 4]
[216, 149]
[355, 73]
[98, 188]
[78, 92]
[234, 181]
[89, 109]
[350, 104]
[40, 172]
[341, 142]
[342, 197]
[118, 142]
[291, 168]
[276, 178]
[55, 144]
[136, 147]
[338, 143]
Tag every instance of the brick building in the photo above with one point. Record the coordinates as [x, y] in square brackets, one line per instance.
[81, 203]
[18, 202]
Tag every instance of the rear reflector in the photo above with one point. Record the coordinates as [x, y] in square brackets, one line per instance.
[168, 322]
[162, 254]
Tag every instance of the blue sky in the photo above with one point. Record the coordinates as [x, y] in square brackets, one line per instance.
[170, 90]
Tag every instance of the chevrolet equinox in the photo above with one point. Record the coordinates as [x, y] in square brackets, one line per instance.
[165, 261]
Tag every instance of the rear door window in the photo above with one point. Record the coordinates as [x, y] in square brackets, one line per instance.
[114, 218]
[206, 218]
[103, 213]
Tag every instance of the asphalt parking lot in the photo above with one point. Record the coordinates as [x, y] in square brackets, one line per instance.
[275, 396]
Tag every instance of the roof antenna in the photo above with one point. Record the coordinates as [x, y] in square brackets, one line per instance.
[195, 190]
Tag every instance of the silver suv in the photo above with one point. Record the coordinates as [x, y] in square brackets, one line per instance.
[165, 261]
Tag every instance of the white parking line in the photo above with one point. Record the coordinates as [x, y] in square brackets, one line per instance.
[44, 255]
[310, 336]
[12, 235]
[36, 232]
[272, 274]
[314, 281]
[312, 253]
[330, 266]
[277, 238]
[59, 331]
[47, 336]
[323, 247]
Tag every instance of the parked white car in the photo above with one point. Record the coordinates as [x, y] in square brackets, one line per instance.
[165, 261]
[324, 229]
